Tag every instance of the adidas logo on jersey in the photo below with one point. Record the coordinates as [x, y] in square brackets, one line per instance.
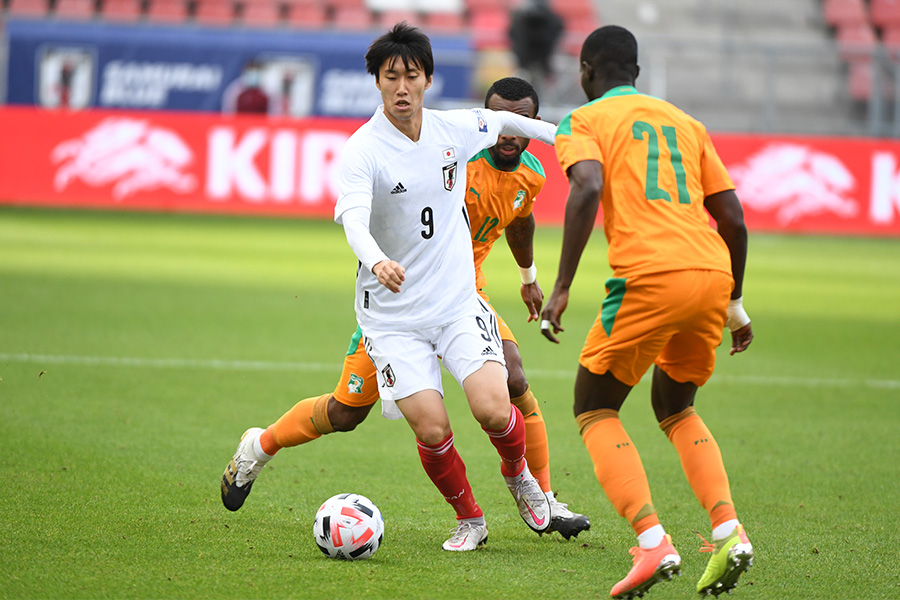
[398, 189]
[488, 352]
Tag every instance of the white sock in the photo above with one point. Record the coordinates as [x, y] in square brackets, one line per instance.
[550, 496]
[473, 521]
[258, 451]
[652, 537]
[722, 531]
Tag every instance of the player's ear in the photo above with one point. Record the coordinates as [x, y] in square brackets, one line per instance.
[428, 83]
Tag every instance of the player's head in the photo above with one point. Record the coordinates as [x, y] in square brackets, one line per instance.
[402, 64]
[608, 59]
[403, 42]
[517, 96]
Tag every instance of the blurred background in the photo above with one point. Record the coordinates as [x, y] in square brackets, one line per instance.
[803, 97]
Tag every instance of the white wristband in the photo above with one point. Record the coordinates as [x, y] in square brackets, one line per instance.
[529, 275]
[736, 316]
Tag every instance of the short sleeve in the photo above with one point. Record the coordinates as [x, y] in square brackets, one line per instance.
[713, 174]
[576, 141]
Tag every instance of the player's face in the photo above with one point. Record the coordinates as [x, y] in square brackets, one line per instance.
[402, 90]
[509, 148]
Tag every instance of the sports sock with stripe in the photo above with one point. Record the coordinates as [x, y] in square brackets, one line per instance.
[446, 469]
[618, 467]
[305, 421]
[510, 443]
[702, 463]
[537, 448]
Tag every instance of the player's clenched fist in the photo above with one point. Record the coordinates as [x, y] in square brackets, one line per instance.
[390, 274]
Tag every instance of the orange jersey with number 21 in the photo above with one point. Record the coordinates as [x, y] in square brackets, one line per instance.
[659, 165]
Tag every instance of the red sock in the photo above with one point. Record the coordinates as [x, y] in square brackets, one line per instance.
[447, 471]
[510, 443]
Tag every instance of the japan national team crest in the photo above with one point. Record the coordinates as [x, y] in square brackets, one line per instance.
[450, 176]
[388, 374]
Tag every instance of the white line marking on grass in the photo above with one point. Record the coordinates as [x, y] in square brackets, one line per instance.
[170, 363]
[260, 365]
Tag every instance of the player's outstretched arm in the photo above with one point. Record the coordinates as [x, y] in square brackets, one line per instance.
[726, 209]
[513, 124]
[520, 238]
[585, 189]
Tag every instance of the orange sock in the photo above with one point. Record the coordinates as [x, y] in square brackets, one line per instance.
[701, 460]
[537, 448]
[618, 467]
[306, 421]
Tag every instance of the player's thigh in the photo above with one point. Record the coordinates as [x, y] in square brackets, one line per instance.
[427, 416]
[468, 342]
[358, 385]
[633, 326]
[405, 363]
[690, 354]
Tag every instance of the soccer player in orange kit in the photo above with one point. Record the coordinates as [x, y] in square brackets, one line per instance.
[676, 283]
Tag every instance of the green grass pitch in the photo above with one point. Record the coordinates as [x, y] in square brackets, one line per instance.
[136, 348]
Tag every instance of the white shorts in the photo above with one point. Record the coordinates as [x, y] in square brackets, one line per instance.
[410, 361]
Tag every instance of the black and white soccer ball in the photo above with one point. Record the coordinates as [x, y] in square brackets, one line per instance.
[349, 527]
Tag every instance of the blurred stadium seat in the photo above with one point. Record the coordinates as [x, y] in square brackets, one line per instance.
[389, 18]
[845, 12]
[885, 13]
[489, 28]
[74, 9]
[214, 12]
[307, 14]
[121, 10]
[341, 4]
[27, 8]
[167, 11]
[451, 23]
[261, 13]
[352, 18]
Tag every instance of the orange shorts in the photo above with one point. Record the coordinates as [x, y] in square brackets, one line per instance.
[673, 319]
[358, 385]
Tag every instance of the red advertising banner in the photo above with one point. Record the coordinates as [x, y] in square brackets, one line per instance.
[246, 164]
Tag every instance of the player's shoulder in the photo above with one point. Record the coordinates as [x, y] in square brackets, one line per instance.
[530, 161]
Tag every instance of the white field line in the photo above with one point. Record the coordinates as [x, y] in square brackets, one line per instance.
[257, 365]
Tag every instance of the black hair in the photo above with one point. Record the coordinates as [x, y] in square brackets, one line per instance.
[513, 88]
[405, 42]
[613, 49]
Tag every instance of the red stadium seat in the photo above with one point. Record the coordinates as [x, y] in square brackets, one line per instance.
[476, 5]
[27, 8]
[885, 13]
[340, 4]
[121, 10]
[389, 18]
[353, 18]
[856, 42]
[307, 14]
[74, 9]
[167, 11]
[261, 13]
[859, 80]
[845, 12]
[444, 22]
[490, 28]
[214, 12]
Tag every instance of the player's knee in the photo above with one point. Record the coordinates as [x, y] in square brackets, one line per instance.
[516, 382]
[346, 418]
[493, 415]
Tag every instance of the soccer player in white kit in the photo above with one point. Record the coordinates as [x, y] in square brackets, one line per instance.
[402, 205]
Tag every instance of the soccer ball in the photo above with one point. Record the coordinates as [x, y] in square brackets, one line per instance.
[348, 526]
